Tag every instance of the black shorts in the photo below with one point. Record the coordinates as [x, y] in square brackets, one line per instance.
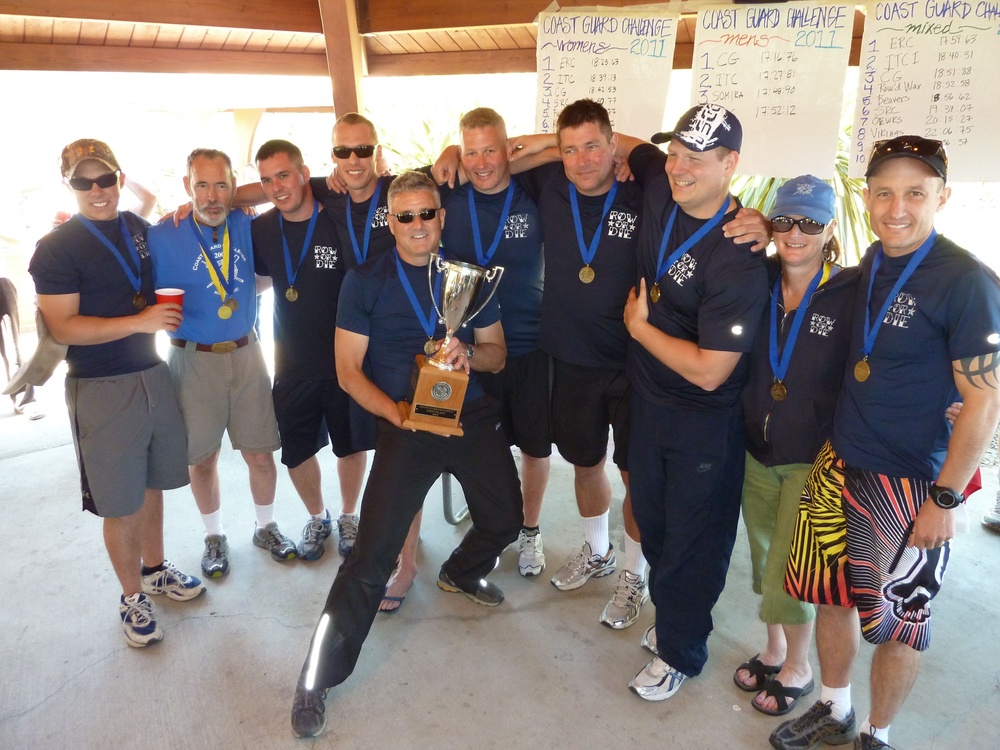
[585, 401]
[311, 414]
[522, 389]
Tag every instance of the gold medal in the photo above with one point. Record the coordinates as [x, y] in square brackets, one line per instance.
[225, 312]
[430, 346]
[291, 294]
[654, 293]
[586, 274]
[862, 371]
[778, 391]
[232, 304]
[139, 301]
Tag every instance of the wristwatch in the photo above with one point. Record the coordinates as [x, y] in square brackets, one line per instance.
[469, 351]
[945, 497]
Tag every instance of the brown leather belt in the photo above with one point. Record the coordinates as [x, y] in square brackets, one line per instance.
[221, 347]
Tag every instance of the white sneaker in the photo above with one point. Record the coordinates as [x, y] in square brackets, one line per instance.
[648, 641]
[992, 520]
[583, 566]
[623, 609]
[139, 620]
[657, 681]
[531, 557]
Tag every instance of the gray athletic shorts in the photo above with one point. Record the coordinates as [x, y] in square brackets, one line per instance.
[129, 437]
[220, 392]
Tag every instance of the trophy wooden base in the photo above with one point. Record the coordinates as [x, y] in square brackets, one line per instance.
[436, 399]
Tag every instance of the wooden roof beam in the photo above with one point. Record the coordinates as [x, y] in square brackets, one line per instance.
[345, 53]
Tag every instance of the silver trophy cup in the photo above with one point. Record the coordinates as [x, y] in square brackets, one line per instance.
[461, 287]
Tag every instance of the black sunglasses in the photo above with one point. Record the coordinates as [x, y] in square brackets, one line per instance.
[344, 152]
[785, 223]
[909, 144]
[425, 214]
[85, 183]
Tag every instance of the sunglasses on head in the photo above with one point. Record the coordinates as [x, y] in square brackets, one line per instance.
[85, 183]
[806, 226]
[909, 144]
[425, 215]
[344, 152]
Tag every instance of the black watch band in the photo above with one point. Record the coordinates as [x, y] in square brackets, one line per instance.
[469, 352]
[945, 497]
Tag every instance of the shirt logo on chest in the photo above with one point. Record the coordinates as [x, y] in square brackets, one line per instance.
[682, 269]
[517, 227]
[621, 224]
[139, 240]
[326, 257]
[381, 217]
[901, 310]
[821, 325]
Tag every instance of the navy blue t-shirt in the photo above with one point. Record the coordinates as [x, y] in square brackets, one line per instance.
[519, 252]
[949, 309]
[793, 430]
[582, 323]
[70, 260]
[713, 295]
[380, 240]
[374, 303]
[303, 329]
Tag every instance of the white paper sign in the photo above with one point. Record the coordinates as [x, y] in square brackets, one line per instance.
[781, 69]
[930, 68]
[621, 59]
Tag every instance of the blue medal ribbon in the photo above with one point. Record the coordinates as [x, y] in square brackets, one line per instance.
[779, 366]
[226, 281]
[661, 266]
[305, 245]
[484, 258]
[134, 278]
[429, 321]
[871, 331]
[587, 252]
[361, 253]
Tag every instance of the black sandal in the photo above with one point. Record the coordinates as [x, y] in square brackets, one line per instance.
[786, 697]
[760, 671]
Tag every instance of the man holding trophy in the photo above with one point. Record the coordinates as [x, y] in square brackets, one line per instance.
[387, 316]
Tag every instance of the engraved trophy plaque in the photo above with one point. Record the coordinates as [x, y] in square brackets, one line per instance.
[437, 389]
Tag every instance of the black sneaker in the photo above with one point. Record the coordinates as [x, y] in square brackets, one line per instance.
[485, 593]
[866, 741]
[308, 710]
[814, 726]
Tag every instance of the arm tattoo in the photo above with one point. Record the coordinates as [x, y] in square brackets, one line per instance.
[981, 371]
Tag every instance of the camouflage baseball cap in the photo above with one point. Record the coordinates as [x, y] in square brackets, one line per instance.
[84, 149]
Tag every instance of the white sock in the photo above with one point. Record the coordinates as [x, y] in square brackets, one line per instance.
[323, 515]
[840, 698]
[635, 561]
[595, 532]
[879, 733]
[213, 523]
[265, 514]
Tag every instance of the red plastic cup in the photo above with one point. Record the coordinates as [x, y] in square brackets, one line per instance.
[170, 295]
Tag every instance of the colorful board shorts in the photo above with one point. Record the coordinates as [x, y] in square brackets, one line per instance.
[849, 550]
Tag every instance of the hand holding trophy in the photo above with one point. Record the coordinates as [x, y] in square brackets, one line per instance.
[437, 389]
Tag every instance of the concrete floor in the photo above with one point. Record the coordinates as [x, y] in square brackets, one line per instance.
[442, 672]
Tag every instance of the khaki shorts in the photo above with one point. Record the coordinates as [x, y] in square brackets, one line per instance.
[129, 437]
[220, 392]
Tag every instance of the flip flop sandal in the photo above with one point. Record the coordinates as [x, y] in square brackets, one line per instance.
[760, 671]
[786, 697]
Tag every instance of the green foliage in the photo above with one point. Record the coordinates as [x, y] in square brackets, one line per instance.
[853, 230]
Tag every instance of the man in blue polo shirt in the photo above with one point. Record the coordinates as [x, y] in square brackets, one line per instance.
[877, 513]
[215, 358]
[385, 318]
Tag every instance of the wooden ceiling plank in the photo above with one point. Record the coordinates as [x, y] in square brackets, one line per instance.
[426, 42]
[237, 39]
[11, 29]
[168, 35]
[522, 35]
[192, 37]
[38, 30]
[465, 42]
[391, 45]
[502, 39]
[482, 38]
[448, 63]
[214, 39]
[444, 41]
[23, 56]
[93, 32]
[375, 47]
[144, 35]
[291, 15]
[258, 41]
[408, 43]
[119, 34]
